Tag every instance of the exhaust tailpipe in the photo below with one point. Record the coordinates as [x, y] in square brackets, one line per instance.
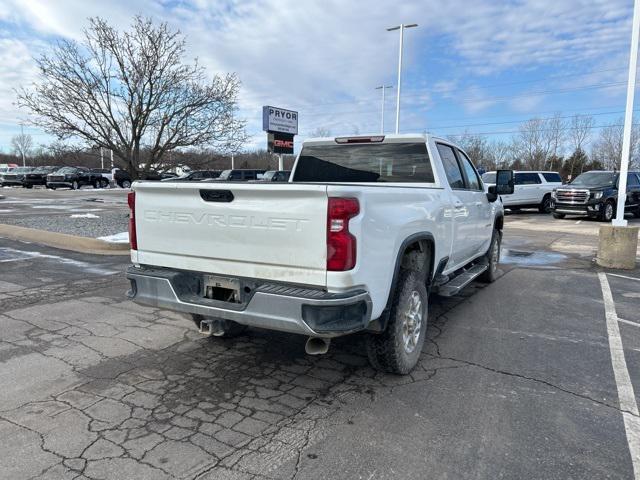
[212, 327]
[317, 346]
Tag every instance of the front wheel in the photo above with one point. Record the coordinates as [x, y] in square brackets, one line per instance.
[126, 184]
[558, 216]
[397, 349]
[606, 214]
[492, 258]
[545, 206]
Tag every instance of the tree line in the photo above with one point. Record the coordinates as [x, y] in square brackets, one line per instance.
[567, 145]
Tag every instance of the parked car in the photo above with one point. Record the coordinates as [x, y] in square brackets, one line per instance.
[195, 176]
[14, 177]
[73, 178]
[595, 194]
[122, 178]
[365, 230]
[276, 176]
[532, 189]
[240, 175]
[106, 176]
[3, 171]
[38, 176]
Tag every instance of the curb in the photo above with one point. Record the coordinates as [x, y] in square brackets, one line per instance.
[63, 241]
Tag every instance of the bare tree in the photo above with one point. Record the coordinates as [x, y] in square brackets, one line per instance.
[320, 132]
[499, 154]
[538, 141]
[22, 145]
[130, 91]
[580, 128]
[607, 149]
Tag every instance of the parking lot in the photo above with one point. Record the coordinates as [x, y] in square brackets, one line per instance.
[519, 379]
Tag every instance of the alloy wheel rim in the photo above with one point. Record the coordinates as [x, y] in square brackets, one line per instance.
[412, 322]
[609, 211]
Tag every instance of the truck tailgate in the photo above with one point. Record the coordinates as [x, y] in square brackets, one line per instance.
[267, 231]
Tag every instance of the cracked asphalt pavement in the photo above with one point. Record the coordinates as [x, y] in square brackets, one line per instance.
[515, 381]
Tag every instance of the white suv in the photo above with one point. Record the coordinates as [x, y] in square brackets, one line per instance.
[532, 189]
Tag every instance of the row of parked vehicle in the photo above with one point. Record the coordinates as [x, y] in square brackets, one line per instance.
[77, 177]
[593, 194]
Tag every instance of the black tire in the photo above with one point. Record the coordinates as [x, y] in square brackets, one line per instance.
[52, 188]
[636, 212]
[559, 216]
[492, 258]
[27, 186]
[397, 349]
[545, 206]
[74, 185]
[125, 184]
[607, 212]
[230, 329]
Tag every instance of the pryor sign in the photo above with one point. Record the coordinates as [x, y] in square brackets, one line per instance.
[279, 120]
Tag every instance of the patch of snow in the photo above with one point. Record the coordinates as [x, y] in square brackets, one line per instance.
[117, 238]
[84, 215]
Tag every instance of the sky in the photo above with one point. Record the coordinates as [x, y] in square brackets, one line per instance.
[482, 66]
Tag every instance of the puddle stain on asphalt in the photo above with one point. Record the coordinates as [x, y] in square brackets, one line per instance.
[528, 258]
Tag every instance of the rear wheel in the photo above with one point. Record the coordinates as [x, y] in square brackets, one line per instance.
[636, 212]
[220, 327]
[558, 215]
[545, 206]
[397, 349]
[492, 258]
[125, 184]
[28, 185]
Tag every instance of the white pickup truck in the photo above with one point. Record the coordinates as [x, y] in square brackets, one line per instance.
[364, 230]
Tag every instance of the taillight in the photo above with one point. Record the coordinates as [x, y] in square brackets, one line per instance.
[133, 238]
[341, 245]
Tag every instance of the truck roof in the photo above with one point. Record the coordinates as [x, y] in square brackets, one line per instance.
[386, 138]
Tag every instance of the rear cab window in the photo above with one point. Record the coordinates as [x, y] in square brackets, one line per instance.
[404, 162]
[451, 166]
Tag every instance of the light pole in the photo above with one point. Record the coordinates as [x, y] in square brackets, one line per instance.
[619, 221]
[383, 88]
[400, 27]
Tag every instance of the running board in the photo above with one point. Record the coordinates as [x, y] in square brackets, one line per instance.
[458, 282]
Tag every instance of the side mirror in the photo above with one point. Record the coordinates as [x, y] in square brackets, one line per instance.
[504, 185]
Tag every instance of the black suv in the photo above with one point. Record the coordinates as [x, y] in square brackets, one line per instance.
[72, 177]
[37, 176]
[595, 194]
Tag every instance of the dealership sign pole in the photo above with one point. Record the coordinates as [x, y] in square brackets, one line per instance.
[281, 126]
[619, 221]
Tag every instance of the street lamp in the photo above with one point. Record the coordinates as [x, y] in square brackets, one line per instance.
[400, 27]
[383, 88]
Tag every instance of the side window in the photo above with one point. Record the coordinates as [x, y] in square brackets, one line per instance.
[527, 178]
[632, 180]
[235, 176]
[451, 167]
[552, 177]
[470, 172]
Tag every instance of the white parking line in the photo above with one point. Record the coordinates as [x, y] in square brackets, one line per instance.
[624, 276]
[626, 395]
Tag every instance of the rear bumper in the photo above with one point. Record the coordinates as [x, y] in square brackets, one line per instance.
[270, 306]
